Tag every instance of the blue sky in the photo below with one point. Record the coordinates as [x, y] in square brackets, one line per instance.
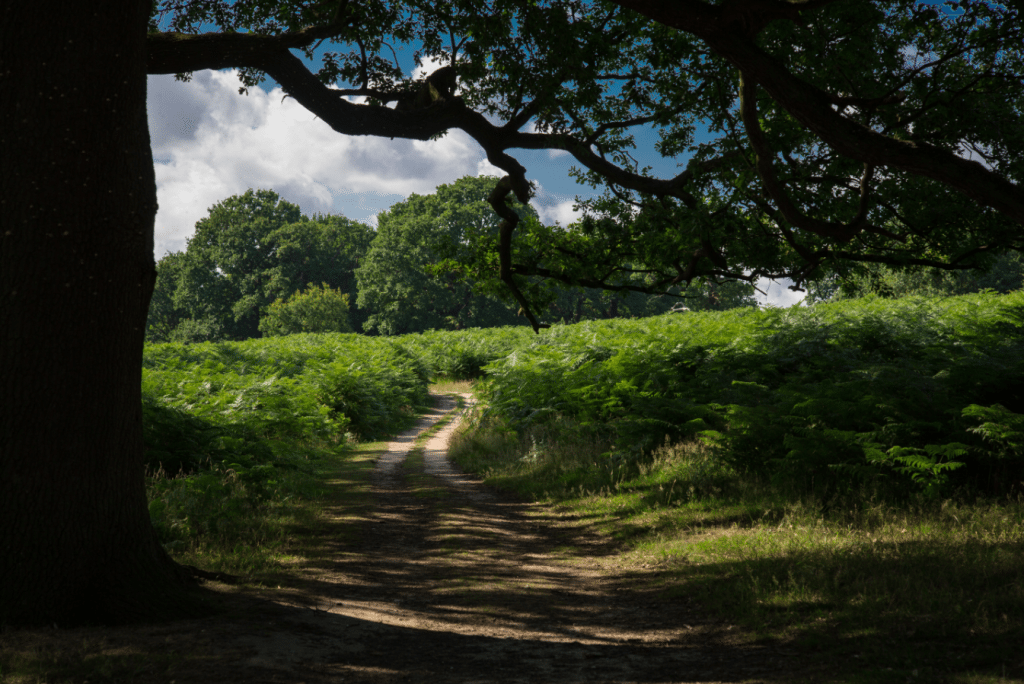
[209, 143]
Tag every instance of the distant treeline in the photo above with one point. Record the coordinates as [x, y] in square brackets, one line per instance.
[256, 267]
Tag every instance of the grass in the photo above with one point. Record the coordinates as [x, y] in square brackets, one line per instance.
[261, 532]
[224, 526]
[91, 661]
[255, 520]
[308, 518]
[444, 386]
[891, 586]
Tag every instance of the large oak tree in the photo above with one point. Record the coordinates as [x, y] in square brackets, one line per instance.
[838, 132]
[76, 272]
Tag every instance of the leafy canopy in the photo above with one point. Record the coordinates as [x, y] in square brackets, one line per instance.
[317, 310]
[1004, 275]
[251, 250]
[398, 281]
[811, 135]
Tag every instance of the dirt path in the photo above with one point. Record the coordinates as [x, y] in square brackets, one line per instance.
[452, 583]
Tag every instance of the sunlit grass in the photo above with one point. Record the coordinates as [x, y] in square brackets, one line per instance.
[442, 386]
[940, 569]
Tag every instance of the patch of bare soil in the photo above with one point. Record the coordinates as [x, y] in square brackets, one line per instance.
[448, 583]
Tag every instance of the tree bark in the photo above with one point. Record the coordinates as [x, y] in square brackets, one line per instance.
[77, 207]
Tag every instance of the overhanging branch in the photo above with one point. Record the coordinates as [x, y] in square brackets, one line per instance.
[509, 221]
[813, 108]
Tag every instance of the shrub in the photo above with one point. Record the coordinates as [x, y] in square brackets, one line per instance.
[317, 310]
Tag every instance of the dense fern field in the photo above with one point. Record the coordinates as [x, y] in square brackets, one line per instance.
[315, 386]
[848, 477]
[915, 395]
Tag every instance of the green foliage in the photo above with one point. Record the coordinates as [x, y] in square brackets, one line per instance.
[463, 354]
[1003, 273]
[325, 249]
[432, 266]
[252, 250]
[230, 254]
[205, 329]
[927, 466]
[859, 115]
[576, 304]
[823, 397]
[316, 386]
[413, 274]
[1002, 428]
[318, 310]
[176, 441]
[396, 281]
[229, 427]
[164, 316]
[906, 395]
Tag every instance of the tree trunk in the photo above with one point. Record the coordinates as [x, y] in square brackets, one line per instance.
[77, 208]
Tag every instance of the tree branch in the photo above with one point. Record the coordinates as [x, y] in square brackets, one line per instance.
[509, 220]
[812, 107]
[765, 169]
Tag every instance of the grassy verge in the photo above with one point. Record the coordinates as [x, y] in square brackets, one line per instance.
[222, 521]
[908, 590]
[259, 521]
[256, 521]
[451, 386]
[308, 516]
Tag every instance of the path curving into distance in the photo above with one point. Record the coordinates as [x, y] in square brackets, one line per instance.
[433, 579]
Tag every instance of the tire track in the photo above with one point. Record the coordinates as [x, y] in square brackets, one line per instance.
[437, 463]
[387, 474]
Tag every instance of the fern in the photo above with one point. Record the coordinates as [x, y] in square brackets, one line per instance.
[1002, 427]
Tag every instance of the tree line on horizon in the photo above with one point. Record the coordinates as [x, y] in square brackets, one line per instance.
[257, 267]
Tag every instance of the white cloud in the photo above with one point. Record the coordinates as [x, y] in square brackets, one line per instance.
[559, 212]
[552, 207]
[429, 65]
[777, 293]
[485, 168]
[210, 143]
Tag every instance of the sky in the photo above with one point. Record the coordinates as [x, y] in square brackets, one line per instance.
[209, 143]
